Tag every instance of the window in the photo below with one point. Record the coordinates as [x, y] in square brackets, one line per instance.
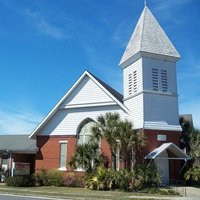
[135, 81]
[161, 137]
[85, 133]
[130, 84]
[155, 79]
[63, 155]
[164, 83]
[159, 77]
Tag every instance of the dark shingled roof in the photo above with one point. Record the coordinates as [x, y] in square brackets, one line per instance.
[115, 93]
[17, 144]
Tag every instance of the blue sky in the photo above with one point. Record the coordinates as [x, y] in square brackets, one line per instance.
[46, 45]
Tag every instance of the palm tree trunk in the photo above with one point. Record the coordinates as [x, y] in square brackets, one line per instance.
[114, 163]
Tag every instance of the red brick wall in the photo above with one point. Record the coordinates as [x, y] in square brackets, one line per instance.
[105, 149]
[152, 142]
[49, 150]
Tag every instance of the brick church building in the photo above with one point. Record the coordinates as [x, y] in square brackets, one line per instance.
[149, 101]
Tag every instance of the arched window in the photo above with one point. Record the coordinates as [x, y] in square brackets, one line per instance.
[85, 131]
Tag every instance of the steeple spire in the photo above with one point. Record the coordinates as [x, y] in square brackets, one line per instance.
[148, 40]
[145, 3]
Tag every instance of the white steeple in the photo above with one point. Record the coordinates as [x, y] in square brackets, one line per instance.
[148, 40]
[149, 77]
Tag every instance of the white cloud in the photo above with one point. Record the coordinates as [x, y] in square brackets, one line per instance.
[169, 4]
[43, 26]
[17, 121]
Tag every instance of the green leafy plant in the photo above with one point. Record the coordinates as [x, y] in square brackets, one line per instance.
[47, 178]
[74, 181]
[100, 179]
[88, 157]
[193, 175]
[20, 181]
[41, 178]
[55, 178]
[142, 176]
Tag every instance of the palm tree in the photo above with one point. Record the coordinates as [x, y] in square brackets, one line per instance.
[107, 127]
[187, 128]
[130, 142]
[195, 144]
[87, 157]
[119, 134]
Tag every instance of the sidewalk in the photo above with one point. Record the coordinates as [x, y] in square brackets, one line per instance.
[193, 192]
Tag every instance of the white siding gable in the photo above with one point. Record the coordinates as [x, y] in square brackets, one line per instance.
[88, 97]
[66, 121]
[87, 92]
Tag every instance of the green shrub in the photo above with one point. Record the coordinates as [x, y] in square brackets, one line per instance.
[101, 179]
[20, 181]
[74, 181]
[142, 176]
[122, 180]
[157, 191]
[147, 175]
[48, 178]
[193, 175]
[55, 178]
[41, 178]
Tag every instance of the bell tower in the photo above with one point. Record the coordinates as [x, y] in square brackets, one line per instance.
[149, 77]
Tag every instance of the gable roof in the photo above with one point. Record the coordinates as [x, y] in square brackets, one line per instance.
[114, 92]
[171, 147]
[116, 96]
[148, 37]
[17, 144]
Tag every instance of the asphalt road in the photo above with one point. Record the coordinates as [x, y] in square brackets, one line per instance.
[18, 197]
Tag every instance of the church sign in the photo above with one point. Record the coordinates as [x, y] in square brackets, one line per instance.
[21, 168]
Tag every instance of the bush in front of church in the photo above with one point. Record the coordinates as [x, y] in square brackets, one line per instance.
[20, 181]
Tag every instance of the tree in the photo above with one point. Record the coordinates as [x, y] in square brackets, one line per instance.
[120, 135]
[130, 142]
[187, 128]
[195, 144]
[106, 127]
[88, 157]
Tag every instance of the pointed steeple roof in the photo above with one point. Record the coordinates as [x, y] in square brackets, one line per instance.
[148, 39]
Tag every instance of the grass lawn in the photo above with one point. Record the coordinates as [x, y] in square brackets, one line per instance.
[77, 193]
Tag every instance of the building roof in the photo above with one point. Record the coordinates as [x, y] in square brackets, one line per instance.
[17, 144]
[116, 96]
[114, 92]
[148, 37]
[172, 148]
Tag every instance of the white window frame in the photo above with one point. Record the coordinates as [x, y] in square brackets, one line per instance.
[162, 137]
[61, 168]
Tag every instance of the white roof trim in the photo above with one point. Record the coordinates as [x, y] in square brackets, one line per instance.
[161, 125]
[56, 107]
[86, 105]
[179, 154]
